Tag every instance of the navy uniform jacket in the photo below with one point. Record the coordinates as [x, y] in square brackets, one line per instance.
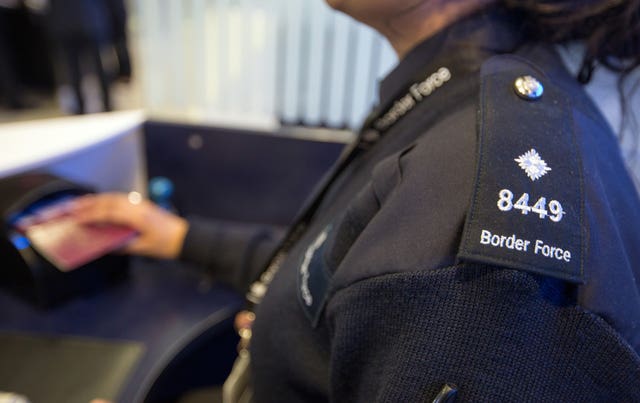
[488, 241]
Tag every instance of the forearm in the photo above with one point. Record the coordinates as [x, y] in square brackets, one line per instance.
[235, 253]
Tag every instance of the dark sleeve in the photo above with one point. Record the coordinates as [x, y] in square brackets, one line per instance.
[235, 253]
[496, 334]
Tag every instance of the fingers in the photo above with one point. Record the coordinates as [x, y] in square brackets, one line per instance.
[112, 208]
[161, 233]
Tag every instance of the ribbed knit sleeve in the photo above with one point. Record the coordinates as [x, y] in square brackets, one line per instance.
[234, 253]
[497, 335]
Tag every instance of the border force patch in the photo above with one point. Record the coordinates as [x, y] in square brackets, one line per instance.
[526, 211]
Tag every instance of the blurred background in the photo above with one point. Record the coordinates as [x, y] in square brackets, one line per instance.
[246, 98]
[241, 63]
[224, 109]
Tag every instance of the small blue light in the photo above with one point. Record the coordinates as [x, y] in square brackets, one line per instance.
[20, 241]
[161, 191]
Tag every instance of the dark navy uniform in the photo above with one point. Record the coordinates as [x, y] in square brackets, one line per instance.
[488, 240]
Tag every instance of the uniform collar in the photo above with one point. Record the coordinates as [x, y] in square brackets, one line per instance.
[474, 39]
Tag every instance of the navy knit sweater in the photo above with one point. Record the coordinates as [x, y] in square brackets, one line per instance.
[390, 295]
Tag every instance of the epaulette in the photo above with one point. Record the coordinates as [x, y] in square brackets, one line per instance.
[527, 206]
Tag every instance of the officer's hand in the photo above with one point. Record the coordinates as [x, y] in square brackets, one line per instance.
[161, 233]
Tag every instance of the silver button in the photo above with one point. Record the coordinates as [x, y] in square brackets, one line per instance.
[528, 87]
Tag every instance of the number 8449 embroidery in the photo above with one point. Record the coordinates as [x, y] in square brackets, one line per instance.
[553, 209]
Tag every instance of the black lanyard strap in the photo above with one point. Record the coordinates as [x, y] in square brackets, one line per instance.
[376, 125]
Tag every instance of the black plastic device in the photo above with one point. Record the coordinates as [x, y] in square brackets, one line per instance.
[26, 273]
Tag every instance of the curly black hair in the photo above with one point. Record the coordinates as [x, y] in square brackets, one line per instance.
[610, 29]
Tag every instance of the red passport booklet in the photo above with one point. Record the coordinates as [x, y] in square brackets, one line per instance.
[67, 244]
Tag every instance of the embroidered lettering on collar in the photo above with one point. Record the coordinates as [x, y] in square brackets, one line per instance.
[417, 92]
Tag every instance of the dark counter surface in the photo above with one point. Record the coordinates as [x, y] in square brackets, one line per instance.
[164, 314]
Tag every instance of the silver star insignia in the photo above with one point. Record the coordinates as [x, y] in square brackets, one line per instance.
[533, 164]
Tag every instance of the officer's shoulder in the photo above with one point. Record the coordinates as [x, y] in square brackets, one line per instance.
[526, 208]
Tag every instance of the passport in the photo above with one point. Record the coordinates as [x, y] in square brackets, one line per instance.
[66, 243]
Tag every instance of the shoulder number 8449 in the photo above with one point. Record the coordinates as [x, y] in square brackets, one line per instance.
[554, 212]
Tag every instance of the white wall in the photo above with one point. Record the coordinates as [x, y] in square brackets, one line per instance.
[103, 150]
[255, 63]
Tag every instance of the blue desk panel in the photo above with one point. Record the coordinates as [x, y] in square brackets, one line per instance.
[171, 310]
